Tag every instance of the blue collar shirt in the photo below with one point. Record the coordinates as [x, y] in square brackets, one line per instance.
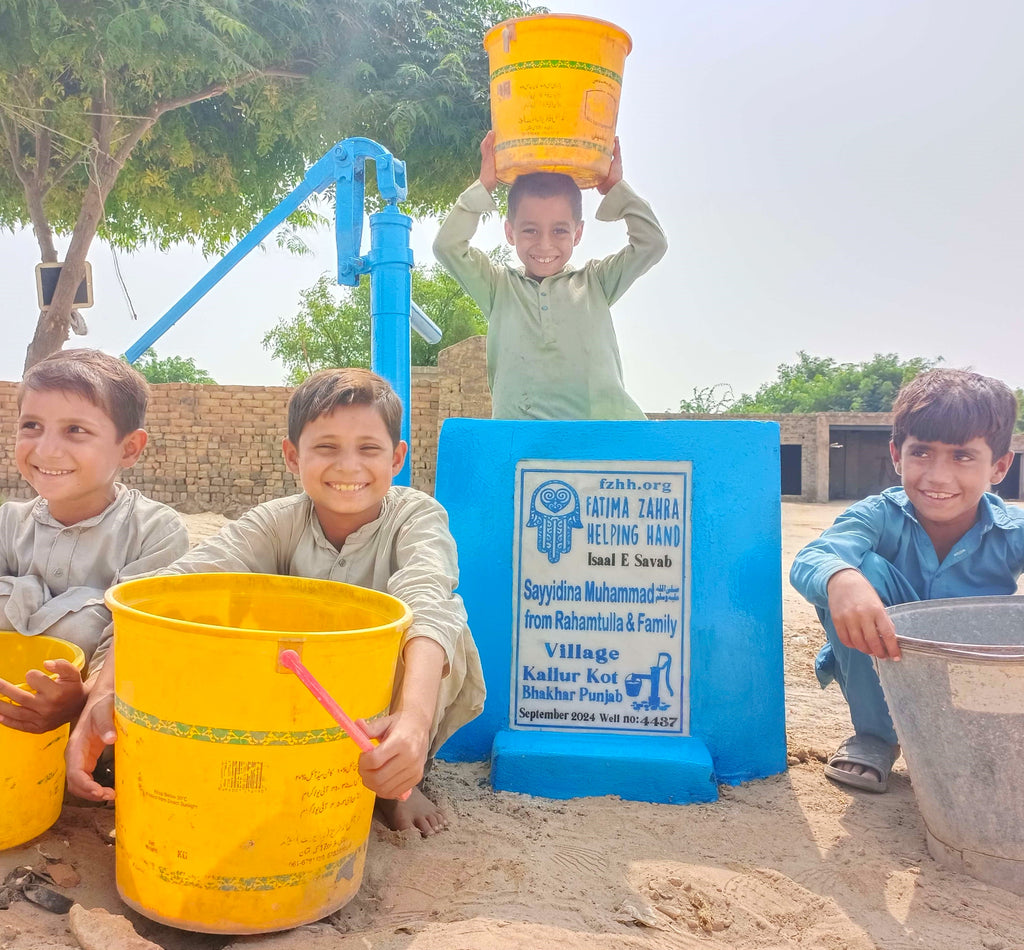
[987, 560]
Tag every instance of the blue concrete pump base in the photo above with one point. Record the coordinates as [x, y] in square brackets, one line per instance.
[664, 769]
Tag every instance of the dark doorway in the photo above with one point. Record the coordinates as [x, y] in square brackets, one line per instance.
[858, 461]
[792, 480]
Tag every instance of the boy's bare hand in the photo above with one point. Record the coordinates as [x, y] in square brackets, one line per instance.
[53, 702]
[396, 765]
[93, 733]
[615, 172]
[859, 616]
[488, 169]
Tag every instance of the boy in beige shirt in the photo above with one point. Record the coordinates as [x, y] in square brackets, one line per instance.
[80, 417]
[351, 524]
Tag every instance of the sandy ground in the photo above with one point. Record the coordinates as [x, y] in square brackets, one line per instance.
[790, 861]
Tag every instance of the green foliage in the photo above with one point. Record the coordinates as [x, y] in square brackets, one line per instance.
[328, 331]
[416, 79]
[710, 399]
[820, 384]
[245, 95]
[171, 369]
[1019, 393]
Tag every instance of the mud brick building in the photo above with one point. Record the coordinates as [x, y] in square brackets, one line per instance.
[218, 448]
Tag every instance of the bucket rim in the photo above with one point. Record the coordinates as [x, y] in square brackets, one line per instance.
[77, 658]
[400, 624]
[981, 652]
[498, 27]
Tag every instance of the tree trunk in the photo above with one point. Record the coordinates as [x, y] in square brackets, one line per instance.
[53, 326]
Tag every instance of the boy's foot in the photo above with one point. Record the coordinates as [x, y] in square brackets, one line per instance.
[417, 811]
[863, 762]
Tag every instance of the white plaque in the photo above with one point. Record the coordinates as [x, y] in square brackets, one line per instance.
[601, 589]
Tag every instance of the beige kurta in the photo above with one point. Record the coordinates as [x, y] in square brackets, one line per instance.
[53, 576]
[551, 346]
[407, 552]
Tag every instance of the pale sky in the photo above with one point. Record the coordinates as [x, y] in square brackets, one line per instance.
[840, 176]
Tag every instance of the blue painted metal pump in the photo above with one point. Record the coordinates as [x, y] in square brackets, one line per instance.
[389, 262]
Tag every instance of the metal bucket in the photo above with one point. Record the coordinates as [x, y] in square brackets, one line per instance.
[957, 701]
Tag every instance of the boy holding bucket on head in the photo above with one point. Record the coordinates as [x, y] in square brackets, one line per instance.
[80, 417]
[943, 534]
[551, 346]
[351, 524]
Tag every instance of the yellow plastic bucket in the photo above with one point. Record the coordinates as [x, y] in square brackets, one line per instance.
[31, 766]
[555, 86]
[239, 804]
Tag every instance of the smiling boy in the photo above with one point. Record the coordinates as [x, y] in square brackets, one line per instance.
[80, 417]
[351, 524]
[551, 346]
[943, 534]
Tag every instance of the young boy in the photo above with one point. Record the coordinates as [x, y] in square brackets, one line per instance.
[80, 417]
[551, 347]
[941, 535]
[351, 524]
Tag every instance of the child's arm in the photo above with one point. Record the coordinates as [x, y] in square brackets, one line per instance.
[396, 765]
[826, 573]
[253, 544]
[859, 615]
[472, 268]
[77, 615]
[647, 244]
[47, 703]
[92, 733]
[425, 578]
[164, 539]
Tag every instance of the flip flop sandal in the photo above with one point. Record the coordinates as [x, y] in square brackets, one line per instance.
[47, 899]
[868, 751]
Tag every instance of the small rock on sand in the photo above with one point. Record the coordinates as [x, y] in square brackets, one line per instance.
[99, 930]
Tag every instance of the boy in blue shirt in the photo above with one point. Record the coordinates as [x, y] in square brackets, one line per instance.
[943, 534]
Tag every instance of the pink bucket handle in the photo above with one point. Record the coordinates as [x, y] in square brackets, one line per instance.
[357, 734]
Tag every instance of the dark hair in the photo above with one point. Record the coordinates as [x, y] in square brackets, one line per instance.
[106, 381]
[545, 185]
[955, 406]
[324, 391]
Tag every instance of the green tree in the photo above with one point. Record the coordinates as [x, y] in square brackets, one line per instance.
[328, 331]
[164, 121]
[820, 384]
[710, 399]
[171, 369]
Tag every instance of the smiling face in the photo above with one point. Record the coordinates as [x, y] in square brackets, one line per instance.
[945, 482]
[345, 460]
[544, 234]
[68, 450]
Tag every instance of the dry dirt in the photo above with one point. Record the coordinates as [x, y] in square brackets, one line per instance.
[787, 862]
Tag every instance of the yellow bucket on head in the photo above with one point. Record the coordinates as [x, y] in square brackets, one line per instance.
[31, 766]
[239, 804]
[555, 87]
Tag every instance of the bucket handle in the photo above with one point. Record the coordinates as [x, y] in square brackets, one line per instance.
[287, 644]
[987, 654]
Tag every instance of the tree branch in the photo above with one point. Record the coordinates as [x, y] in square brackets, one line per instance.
[213, 90]
[13, 148]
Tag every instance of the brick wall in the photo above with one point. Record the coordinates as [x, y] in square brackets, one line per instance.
[463, 391]
[218, 448]
[423, 426]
